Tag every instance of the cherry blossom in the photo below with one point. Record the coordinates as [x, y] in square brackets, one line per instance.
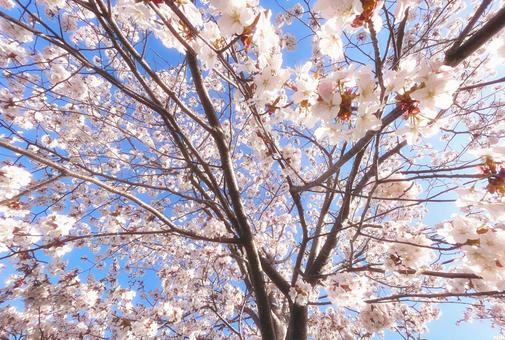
[409, 253]
[365, 122]
[344, 10]
[235, 17]
[56, 225]
[9, 4]
[436, 89]
[330, 42]
[12, 180]
[345, 289]
[396, 185]
[375, 318]
[249, 169]
[306, 87]
[460, 229]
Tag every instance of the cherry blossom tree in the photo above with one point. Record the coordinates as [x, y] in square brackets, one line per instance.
[167, 170]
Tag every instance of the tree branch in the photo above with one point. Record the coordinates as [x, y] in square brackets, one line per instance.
[457, 54]
[67, 172]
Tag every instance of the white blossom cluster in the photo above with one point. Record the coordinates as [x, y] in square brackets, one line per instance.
[12, 180]
[482, 244]
[397, 186]
[409, 251]
[302, 293]
[346, 289]
[190, 155]
[375, 317]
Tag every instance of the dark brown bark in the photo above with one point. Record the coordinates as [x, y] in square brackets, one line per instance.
[457, 54]
[254, 264]
[274, 275]
[297, 329]
[478, 13]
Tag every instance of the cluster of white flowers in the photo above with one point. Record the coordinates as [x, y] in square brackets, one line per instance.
[330, 102]
[365, 121]
[472, 198]
[53, 5]
[495, 150]
[302, 292]
[293, 157]
[409, 251]
[479, 228]
[211, 34]
[395, 186]
[9, 4]
[329, 93]
[235, 16]
[10, 51]
[306, 86]
[13, 232]
[270, 80]
[138, 12]
[340, 15]
[483, 247]
[14, 31]
[366, 83]
[436, 88]
[265, 39]
[58, 73]
[61, 74]
[376, 318]
[12, 180]
[330, 43]
[486, 257]
[423, 88]
[427, 88]
[346, 289]
[68, 23]
[77, 87]
[171, 312]
[343, 16]
[56, 225]
[213, 227]
[144, 328]
[345, 10]
[460, 229]
[494, 167]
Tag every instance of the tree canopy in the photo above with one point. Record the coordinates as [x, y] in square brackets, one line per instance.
[246, 169]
